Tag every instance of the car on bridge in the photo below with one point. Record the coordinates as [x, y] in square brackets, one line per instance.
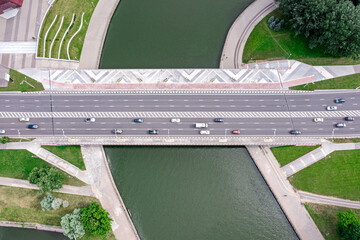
[340, 125]
[33, 126]
[235, 132]
[117, 131]
[138, 120]
[331, 108]
[317, 120]
[204, 132]
[175, 120]
[295, 132]
[154, 131]
[2, 131]
[339, 100]
[24, 119]
[349, 119]
[201, 125]
[89, 120]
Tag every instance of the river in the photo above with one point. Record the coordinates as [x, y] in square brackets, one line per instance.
[202, 193]
[169, 33]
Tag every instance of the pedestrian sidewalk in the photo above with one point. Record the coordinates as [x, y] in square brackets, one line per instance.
[13, 182]
[105, 190]
[28, 225]
[49, 157]
[315, 156]
[315, 198]
[285, 194]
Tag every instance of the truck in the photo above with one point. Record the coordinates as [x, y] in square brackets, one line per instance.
[201, 125]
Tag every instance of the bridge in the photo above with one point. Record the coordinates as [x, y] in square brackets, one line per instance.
[263, 117]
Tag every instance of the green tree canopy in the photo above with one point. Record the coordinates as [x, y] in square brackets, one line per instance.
[95, 219]
[47, 179]
[4, 139]
[348, 227]
[331, 24]
[72, 225]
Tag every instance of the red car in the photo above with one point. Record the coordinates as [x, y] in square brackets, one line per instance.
[236, 131]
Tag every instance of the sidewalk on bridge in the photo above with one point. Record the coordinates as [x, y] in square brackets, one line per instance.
[289, 201]
[105, 190]
[13, 182]
[35, 148]
[316, 155]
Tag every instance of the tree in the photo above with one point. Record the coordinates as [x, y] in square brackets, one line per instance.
[72, 225]
[47, 179]
[95, 219]
[332, 24]
[348, 228]
[4, 139]
[46, 202]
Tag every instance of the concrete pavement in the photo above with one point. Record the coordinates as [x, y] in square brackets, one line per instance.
[17, 47]
[316, 155]
[105, 190]
[13, 182]
[315, 198]
[289, 201]
[28, 225]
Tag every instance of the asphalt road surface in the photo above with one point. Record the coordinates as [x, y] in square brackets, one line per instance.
[63, 114]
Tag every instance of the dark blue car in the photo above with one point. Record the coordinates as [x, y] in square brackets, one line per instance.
[339, 100]
[33, 126]
[138, 120]
[218, 120]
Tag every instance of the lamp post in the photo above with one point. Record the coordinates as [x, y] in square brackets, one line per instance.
[168, 133]
[63, 132]
[274, 133]
[19, 133]
[333, 132]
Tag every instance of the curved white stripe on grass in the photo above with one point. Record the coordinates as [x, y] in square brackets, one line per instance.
[47, 32]
[68, 46]
[52, 43]
[62, 39]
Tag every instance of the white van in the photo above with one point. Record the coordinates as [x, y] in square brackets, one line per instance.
[201, 125]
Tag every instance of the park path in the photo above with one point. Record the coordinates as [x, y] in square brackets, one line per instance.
[316, 155]
[105, 190]
[285, 194]
[316, 198]
[49, 157]
[13, 182]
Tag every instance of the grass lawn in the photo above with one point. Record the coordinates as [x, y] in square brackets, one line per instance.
[346, 82]
[287, 154]
[325, 218]
[23, 205]
[337, 175]
[266, 44]
[66, 8]
[72, 154]
[17, 85]
[345, 140]
[19, 163]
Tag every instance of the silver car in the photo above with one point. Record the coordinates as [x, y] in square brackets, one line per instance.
[331, 108]
[24, 119]
[2, 131]
[204, 132]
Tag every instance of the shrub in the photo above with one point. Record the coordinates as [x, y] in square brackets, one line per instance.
[72, 225]
[46, 202]
[4, 139]
[56, 203]
[271, 19]
[65, 204]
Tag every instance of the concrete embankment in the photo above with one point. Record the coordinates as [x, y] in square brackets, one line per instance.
[288, 199]
[36, 226]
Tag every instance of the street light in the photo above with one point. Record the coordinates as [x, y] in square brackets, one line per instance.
[168, 133]
[19, 133]
[274, 133]
[333, 132]
[63, 132]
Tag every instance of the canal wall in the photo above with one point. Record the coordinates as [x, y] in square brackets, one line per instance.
[28, 225]
[284, 193]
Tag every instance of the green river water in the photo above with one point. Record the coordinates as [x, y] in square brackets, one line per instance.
[169, 33]
[202, 193]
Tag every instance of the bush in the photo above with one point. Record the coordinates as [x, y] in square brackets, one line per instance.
[348, 227]
[95, 219]
[271, 19]
[56, 203]
[65, 204]
[46, 202]
[47, 179]
[4, 139]
[72, 225]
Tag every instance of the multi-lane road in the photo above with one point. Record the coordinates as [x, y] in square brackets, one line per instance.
[254, 114]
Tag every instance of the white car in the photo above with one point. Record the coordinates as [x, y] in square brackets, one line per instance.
[24, 119]
[331, 108]
[89, 119]
[204, 132]
[318, 120]
[175, 120]
[2, 131]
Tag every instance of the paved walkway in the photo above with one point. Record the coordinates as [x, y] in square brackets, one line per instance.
[239, 32]
[316, 155]
[47, 156]
[96, 33]
[36, 226]
[266, 75]
[17, 47]
[105, 190]
[13, 182]
[315, 198]
[289, 201]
